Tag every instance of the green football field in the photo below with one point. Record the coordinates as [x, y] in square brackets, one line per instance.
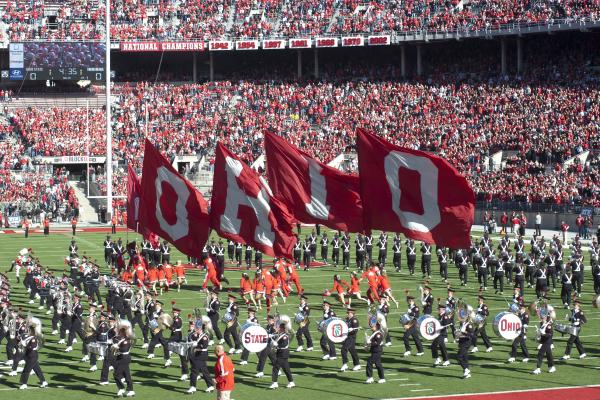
[406, 377]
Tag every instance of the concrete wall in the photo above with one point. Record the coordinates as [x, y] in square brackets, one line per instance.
[550, 221]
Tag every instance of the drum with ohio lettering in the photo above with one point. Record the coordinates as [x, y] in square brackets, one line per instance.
[180, 348]
[507, 325]
[254, 337]
[406, 320]
[98, 348]
[335, 329]
[429, 327]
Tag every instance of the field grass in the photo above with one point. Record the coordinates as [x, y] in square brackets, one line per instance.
[412, 376]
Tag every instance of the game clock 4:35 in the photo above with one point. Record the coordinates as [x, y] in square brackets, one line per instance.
[65, 74]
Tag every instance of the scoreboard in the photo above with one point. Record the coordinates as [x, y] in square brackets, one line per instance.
[57, 61]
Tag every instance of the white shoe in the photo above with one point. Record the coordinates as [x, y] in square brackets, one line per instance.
[526, 360]
[22, 362]
[74, 340]
[325, 357]
[40, 307]
[22, 387]
[309, 349]
[12, 373]
[467, 376]
[274, 385]
[537, 371]
[291, 385]
[121, 392]
[406, 353]
[209, 389]
[299, 349]
[388, 344]
[566, 357]
[474, 350]
[104, 383]
[48, 312]
[552, 370]
[85, 358]
[420, 354]
[231, 350]
[511, 360]
[370, 380]
[356, 368]
[381, 381]
[445, 363]
[238, 351]
[259, 375]
[168, 363]
[31, 302]
[344, 367]
[184, 377]
[191, 390]
[9, 362]
[489, 350]
[93, 368]
[279, 373]
[44, 384]
[333, 358]
[221, 341]
[583, 355]
[54, 332]
[211, 342]
[145, 346]
[61, 341]
[158, 345]
[68, 349]
[243, 362]
[437, 361]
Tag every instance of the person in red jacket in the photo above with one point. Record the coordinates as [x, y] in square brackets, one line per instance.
[223, 374]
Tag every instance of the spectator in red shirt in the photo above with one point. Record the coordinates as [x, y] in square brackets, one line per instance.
[223, 374]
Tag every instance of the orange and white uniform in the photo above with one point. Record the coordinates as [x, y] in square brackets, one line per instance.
[169, 273]
[340, 286]
[294, 278]
[259, 285]
[246, 286]
[354, 285]
[140, 273]
[180, 271]
[161, 275]
[211, 273]
[152, 275]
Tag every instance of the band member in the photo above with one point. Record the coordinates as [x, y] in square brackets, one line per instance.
[251, 320]
[483, 272]
[520, 276]
[499, 275]
[157, 334]
[340, 287]
[596, 276]
[282, 343]
[530, 264]
[462, 261]
[384, 308]
[248, 256]
[411, 255]
[521, 339]
[541, 277]
[307, 255]
[451, 309]
[483, 311]
[324, 247]
[551, 263]
[297, 252]
[266, 352]
[165, 252]
[427, 300]
[382, 244]
[176, 334]
[346, 254]
[426, 259]
[108, 360]
[76, 320]
[247, 289]
[465, 340]
[349, 344]
[231, 328]
[239, 248]
[443, 261]
[327, 346]
[360, 251]
[258, 263]
[198, 356]
[577, 319]
[30, 346]
[122, 347]
[212, 310]
[335, 249]
[313, 245]
[303, 331]
[438, 346]
[397, 250]
[375, 348]
[411, 331]
[137, 308]
[545, 333]
[230, 250]
[577, 269]
[108, 248]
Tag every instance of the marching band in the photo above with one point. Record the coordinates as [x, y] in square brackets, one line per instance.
[107, 329]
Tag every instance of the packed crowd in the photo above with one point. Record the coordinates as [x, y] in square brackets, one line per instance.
[201, 19]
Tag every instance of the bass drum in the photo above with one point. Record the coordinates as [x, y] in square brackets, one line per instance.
[429, 327]
[254, 337]
[336, 329]
[299, 318]
[406, 320]
[507, 325]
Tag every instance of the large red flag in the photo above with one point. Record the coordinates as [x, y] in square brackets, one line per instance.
[170, 206]
[413, 192]
[243, 208]
[133, 200]
[314, 192]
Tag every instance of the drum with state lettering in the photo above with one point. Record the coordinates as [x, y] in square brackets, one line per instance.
[429, 327]
[507, 325]
[254, 337]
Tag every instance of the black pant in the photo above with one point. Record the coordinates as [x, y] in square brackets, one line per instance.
[327, 346]
[137, 319]
[541, 287]
[482, 277]
[577, 280]
[238, 257]
[307, 257]
[596, 285]
[538, 230]
[444, 270]
[565, 294]
[438, 346]
[397, 261]
[369, 253]
[198, 363]
[426, 265]
[577, 341]
[545, 351]
[27, 232]
[262, 358]
[75, 330]
[214, 319]
[158, 338]
[65, 325]
[382, 257]
[520, 282]
[324, 252]
[313, 251]
[232, 331]
[109, 360]
[122, 371]
[375, 359]
[73, 227]
[304, 332]
[552, 275]
[349, 346]
[412, 332]
[360, 260]
[31, 364]
[499, 277]
[463, 274]
[335, 255]
[481, 332]
[297, 256]
[529, 276]
[463, 352]
[411, 260]
[281, 363]
[113, 229]
[346, 260]
[519, 341]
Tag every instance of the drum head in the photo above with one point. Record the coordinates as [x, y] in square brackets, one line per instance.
[336, 330]
[254, 337]
[429, 327]
[507, 325]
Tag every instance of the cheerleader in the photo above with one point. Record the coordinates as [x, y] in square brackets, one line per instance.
[355, 289]
[247, 290]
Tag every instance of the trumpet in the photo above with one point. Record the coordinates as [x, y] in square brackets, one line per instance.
[367, 342]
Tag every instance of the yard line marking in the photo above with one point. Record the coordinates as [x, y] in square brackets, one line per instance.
[421, 390]
[398, 379]
[409, 384]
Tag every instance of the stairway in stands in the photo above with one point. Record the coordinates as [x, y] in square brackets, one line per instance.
[44, 100]
[87, 213]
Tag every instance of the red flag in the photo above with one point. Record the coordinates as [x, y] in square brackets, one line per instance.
[314, 192]
[243, 208]
[170, 206]
[133, 200]
[413, 192]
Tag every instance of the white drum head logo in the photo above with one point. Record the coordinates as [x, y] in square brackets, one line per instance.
[254, 338]
[337, 331]
[507, 325]
[429, 327]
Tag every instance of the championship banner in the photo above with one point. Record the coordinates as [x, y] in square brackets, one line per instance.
[314, 192]
[326, 42]
[170, 206]
[300, 43]
[415, 193]
[220, 45]
[246, 45]
[161, 46]
[273, 44]
[353, 41]
[382, 40]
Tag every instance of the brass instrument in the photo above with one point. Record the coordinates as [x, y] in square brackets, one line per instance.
[596, 301]
[464, 311]
[90, 325]
[367, 342]
[164, 322]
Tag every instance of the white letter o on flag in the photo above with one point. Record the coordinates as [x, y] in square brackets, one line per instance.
[429, 190]
[181, 227]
